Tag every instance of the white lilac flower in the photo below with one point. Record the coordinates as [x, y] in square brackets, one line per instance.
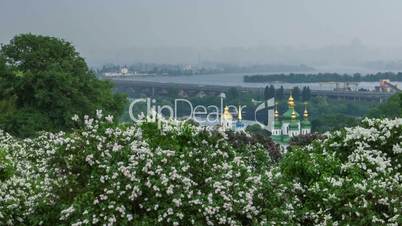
[75, 118]
[109, 118]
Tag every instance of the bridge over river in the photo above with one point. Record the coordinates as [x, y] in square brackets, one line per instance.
[136, 87]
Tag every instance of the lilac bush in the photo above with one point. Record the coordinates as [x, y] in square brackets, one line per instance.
[352, 177]
[105, 173]
[113, 174]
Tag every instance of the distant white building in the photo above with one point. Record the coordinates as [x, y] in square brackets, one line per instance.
[124, 70]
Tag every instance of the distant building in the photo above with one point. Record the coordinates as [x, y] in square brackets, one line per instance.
[290, 125]
[387, 87]
[240, 126]
[282, 128]
[226, 119]
[227, 122]
[187, 67]
[124, 70]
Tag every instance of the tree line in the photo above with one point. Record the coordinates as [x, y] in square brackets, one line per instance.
[323, 77]
[297, 93]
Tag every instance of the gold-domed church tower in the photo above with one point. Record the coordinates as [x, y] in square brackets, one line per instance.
[277, 130]
[305, 124]
[290, 119]
[226, 119]
[240, 127]
[289, 124]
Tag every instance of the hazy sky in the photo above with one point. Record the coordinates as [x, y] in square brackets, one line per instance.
[104, 30]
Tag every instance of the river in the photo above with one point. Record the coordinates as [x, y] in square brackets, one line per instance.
[236, 79]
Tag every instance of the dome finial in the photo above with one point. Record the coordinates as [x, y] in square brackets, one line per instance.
[291, 101]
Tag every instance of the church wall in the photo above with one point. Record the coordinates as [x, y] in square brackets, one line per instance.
[285, 127]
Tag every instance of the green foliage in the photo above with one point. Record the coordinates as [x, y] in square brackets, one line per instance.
[269, 92]
[332, 122]
[328, 114]
[6, 167]
[25, 122]
[306, 94]
[233, 93]
[352, 177]
[280, 93]
[243, 140]
[391, 108]
[296, 93]
[304, 140]
[179, 174]
[106, 173]
[256, 129]
[44, 81]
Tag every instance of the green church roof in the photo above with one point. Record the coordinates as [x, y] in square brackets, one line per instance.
[288, 114]
[277, 124]
[305, 123]
[294, 125]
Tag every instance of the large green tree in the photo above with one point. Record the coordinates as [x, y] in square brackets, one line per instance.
[44, 82]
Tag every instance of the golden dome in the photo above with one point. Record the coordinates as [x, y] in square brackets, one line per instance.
[291, 101]
[293, 116]
[226, 114]
[276, 113]
[305, 114]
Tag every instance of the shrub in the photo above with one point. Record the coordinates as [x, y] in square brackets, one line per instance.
[110, 174]
[6, 168]
[243, 139]
[105, 173]
[352, 177]
[305, 139]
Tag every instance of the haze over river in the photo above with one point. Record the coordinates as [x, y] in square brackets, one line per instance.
[236, 79]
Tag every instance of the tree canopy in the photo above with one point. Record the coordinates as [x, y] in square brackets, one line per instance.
[44, 82]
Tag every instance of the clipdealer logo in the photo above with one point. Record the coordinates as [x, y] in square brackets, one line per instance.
[201, 114]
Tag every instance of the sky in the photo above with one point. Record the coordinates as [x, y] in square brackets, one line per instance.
[239, 31]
